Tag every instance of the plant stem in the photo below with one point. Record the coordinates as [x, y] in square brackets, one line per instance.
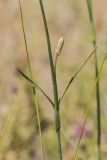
[88, 107]
[59, 146]
[54, 82]
[89, 4]
[33, 89]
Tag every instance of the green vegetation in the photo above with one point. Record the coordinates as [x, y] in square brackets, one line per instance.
[27, 128]
[89, 4]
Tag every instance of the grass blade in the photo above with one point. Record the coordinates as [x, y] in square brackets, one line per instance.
[88, 108]
[92, 27]
[31, 76]
[89, 4]
[75, 74]
[35, 85]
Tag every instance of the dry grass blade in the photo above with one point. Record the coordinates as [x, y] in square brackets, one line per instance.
[88, 108]
[75, 74]
[30, 71]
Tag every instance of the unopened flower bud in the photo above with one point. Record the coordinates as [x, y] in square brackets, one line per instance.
[59, 46]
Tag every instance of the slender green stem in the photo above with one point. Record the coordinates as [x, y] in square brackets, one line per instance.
[75, 74]
[90, 10]
[88, 107]
[54, 82]
[59, 145]
[31, 76]
[39, 125]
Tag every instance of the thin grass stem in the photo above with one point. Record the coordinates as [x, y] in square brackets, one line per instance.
[88, 107]
[92, 27]
[31, 76]
[54, 82]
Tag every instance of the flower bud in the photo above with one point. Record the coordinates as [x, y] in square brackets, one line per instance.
[59, 46]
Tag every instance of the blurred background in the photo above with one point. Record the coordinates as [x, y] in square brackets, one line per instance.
[19, 138]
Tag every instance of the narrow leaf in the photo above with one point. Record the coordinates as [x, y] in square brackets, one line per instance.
[88, 108]
[75, 74]
[89, 4]
[36, 86]
[33, 88]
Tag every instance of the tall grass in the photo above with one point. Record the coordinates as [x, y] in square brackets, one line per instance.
[57, 100]
[31, 76]
[93, 32]
[88, 107]
[53, 66]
